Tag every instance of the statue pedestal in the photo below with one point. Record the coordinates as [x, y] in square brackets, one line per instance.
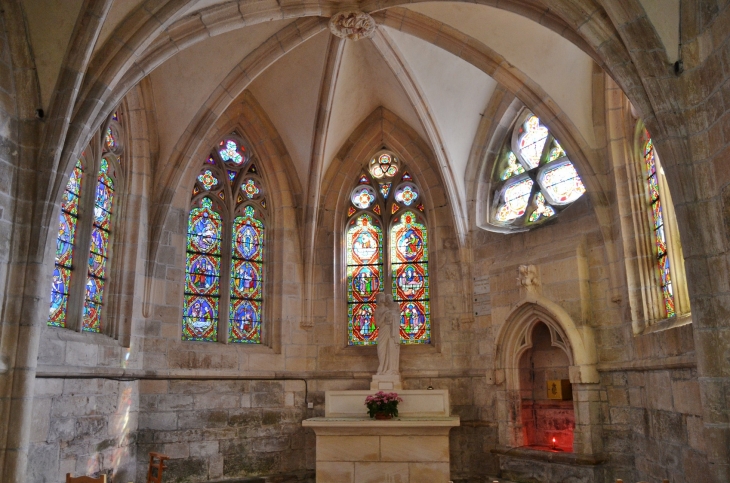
[386, 383]
[413, 448]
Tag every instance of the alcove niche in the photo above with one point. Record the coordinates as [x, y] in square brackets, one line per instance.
[537, 342]
[547, 423]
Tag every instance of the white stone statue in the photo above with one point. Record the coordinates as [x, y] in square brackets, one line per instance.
[387, 316]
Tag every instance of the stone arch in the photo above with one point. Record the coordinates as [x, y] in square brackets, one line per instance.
[247, 117]
[515, 338]
[381, 127]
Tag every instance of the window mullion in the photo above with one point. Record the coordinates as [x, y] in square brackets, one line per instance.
[224, 280]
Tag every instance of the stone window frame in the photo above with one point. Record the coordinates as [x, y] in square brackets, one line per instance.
[227, 218]
[650, 315]
[112, 313]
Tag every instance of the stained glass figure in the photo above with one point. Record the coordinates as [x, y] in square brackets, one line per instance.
[531, 141]
[376, 209]
[542, 209]
[383, 165]
[660, 239]
[230, 151]
[351, 211]
[110, 141]
[516, 198]
[99, 251]
[562, 183]
[364, 278]
[247, 278]
[409, 271]
[406, 193]
[208, 179]
[513, 167]
[202, 274]
[65, 242]
[363, 196]
[250, 188]
[385, 189]
[394, 209]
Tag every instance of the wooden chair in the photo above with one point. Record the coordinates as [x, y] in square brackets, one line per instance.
[157, 462]
[85, 479]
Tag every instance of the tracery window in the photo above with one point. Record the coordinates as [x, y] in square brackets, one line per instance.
[533, 176]
[387, 196]
[86, 223]
[224, 281]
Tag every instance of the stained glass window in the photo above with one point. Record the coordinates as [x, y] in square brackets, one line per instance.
[409, 272]
[99, 251]
[230, 151]
[516, 197]
[531, 140]
[533, 178]
[562, 183]
[247, 278]
[406, 242]
[364, 277]
[78, 211]
[202, 274]
[660, 239]
[65, 243]
[384, 165]
[240, 206]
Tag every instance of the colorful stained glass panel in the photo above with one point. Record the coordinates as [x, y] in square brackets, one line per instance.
[409, 264]
[247, 278]
[562, 183]
[364, 278]
[513, 167]
[361, 326]
[230, 152]
[208, 179]
[200, 318]
[202, 274]
[363, 196]
[532, 141]
[250, 188]
[516, 198]
[245, 322]
[406, 194]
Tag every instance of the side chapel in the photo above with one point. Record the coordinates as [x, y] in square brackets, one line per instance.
[201, 200]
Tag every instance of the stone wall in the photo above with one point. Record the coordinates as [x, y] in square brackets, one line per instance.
[83, 427]
[222, 429]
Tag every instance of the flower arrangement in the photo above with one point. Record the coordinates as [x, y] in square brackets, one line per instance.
[383, 405]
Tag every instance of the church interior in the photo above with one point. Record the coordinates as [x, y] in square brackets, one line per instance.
[201, 201]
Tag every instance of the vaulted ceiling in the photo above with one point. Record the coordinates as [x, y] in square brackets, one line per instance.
[420, 73]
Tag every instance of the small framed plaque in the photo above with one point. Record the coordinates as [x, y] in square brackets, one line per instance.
[560, 389]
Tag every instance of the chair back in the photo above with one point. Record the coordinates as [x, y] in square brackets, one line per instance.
[85, 479]
[156, 467]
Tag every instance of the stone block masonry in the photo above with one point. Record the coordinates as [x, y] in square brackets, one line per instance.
[223, 429]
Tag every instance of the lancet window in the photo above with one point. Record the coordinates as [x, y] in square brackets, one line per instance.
[225, 262]
[534, 177]
[667, 265]
[386, 219]
[85, 229]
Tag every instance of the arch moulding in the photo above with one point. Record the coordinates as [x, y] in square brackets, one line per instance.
[515, 337]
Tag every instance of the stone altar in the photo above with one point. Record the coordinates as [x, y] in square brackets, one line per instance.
[352, 448]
